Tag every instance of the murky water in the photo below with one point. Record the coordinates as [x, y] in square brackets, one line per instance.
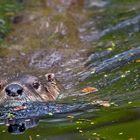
[91, 43]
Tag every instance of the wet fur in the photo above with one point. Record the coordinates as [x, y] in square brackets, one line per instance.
[47, 91]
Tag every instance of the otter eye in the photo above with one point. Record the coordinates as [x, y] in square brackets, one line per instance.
[36, 85]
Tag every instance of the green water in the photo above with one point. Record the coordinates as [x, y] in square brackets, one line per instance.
[60, 24]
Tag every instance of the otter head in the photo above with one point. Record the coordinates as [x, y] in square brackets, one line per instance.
[22, 89]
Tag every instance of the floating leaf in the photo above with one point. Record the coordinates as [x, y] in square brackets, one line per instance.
[130, 102]
[89, 90]
[109, 49]
[121, 133]
[131, 139]
[79, 122]
[123, 75]
[92, 123]
[103, 103]
[138, 61]
[3, 131]
[80, 131]
[105, 75]
[50, 114]
[71, 117]
[128, 71]
[94, 134]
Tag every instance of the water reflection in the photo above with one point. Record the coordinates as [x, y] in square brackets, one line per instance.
[17, 122]
[19, 126]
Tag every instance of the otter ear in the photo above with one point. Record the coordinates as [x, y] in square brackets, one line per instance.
[50, 77]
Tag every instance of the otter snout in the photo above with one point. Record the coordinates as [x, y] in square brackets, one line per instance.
[13, 90]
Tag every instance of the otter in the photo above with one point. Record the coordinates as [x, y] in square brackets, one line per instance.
[28, 88]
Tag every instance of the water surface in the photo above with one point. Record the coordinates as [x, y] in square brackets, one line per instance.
[85, 43]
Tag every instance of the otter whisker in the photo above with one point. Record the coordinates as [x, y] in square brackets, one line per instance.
[27, 89]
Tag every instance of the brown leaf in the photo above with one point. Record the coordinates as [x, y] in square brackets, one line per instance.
[138, 61]
[89, 90]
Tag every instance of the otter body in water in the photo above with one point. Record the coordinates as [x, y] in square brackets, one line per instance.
[23, 89]
[23, 99]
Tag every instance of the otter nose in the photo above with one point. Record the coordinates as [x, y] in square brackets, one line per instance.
[14, 90]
